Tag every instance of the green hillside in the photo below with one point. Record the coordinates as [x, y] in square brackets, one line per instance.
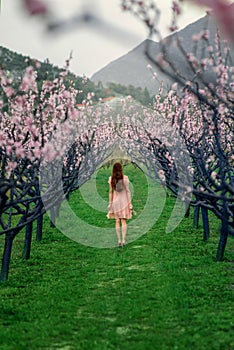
[16, 63]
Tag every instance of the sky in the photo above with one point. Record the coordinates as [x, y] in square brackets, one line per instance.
[91, 48]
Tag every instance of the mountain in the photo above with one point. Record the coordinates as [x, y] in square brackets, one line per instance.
[131, 69]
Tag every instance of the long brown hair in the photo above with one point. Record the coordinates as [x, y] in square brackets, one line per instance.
[117, 174]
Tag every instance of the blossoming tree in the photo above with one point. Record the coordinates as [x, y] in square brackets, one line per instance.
[45, 141]
[199, 105]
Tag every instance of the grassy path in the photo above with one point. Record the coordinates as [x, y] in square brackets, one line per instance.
[162, 291]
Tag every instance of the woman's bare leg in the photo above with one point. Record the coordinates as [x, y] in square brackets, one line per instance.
[124, 230]
[117, 227]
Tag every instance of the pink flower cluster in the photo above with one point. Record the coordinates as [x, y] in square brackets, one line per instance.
[35, 7]
[224, 13]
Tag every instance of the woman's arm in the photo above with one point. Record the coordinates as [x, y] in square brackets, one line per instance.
[128, 192]
[110, 195]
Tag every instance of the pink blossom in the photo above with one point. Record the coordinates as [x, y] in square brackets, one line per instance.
[35, 7]
[90, 95]
[28, 121]
[161, 61]
[174, 86]
[213, 175]
[49, 152]
[176, 8]
[8, 150]
[9, 91]
[19, 152]
[223, 12]
[84, 79]
[11, 166]
[161, 175]
[196, 37]
[173, 27]
[204, 62]
[205, 34]
[222, 108]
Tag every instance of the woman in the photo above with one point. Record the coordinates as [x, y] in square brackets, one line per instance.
[120, 205]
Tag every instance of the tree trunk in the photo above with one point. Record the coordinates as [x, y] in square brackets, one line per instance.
[27, 241]
[221, 246]
[6, 257]
[39, 228]
[223, 233]
[206, 227]
[222, 240]
[196, 216]
[187, 211]
[52, 217]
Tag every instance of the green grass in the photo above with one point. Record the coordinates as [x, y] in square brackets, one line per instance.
[162, 291]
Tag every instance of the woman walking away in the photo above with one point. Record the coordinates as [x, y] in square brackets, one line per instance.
[120, 204]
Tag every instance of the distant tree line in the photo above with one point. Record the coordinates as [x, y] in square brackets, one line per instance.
[138, 94]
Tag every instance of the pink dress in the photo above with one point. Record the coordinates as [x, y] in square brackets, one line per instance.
[120, 201]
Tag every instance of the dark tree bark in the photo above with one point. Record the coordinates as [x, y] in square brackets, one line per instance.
[27, 241]
[39, 228]
[52, 217]
[205, 221]
[187, 212]
[6, 257]
[223, 234]
[196, 216]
